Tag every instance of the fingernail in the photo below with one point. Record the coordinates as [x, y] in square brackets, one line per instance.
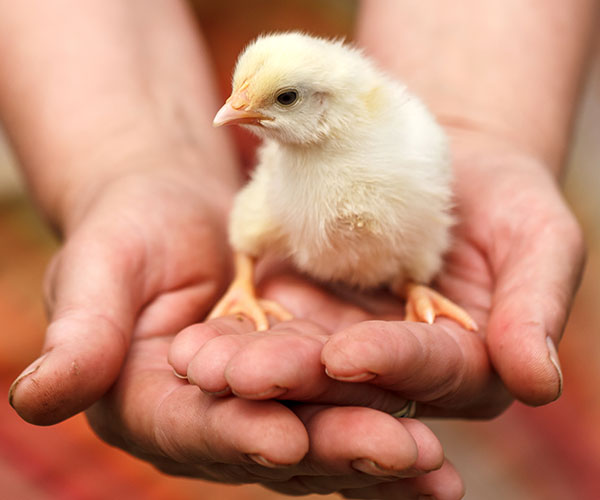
[371, 468]
[361, 377]
[178, 375]
[553, 355]
[260, 460]
[218, 394]
[32, 368]
[271, 393]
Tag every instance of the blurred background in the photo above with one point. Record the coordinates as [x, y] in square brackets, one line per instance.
[549, 453]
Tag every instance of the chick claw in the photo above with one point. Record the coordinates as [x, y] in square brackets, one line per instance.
[424, 304]
[239, 301]
[240, 298]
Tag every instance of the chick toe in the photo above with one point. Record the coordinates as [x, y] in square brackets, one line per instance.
[240, 298]
[424, 304]
[274, 309]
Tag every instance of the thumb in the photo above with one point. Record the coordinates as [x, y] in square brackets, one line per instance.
[536, 282]
[89, 292]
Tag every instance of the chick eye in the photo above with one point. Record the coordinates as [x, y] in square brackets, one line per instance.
[287, 97]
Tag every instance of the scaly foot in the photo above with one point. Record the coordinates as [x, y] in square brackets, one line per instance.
[424, 304]
[240, 298]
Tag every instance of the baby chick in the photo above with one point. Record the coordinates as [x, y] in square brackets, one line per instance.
[353, 180]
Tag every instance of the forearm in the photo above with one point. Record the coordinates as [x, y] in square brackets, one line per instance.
[94, 89]
[510, 69]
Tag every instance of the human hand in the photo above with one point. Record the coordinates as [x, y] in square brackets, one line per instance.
[514, 266]
[121, 276]
[117, 291]
[300, 449]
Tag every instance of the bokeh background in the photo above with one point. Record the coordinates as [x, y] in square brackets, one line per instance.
[549, 453]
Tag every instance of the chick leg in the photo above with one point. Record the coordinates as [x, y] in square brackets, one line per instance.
[240, 297]
[424, 304]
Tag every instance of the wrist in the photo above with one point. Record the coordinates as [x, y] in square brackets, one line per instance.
[512, 78]
[474, 149]
[209, 176]
[473, 134]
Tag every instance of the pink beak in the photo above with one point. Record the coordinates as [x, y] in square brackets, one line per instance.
[228, 115]
[237, 110]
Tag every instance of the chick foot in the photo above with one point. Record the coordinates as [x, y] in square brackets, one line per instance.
[424, 304]
[240, 298]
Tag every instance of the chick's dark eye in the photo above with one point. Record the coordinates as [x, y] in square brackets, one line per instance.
[287, 98]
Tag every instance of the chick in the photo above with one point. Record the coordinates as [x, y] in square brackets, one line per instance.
[353, 182]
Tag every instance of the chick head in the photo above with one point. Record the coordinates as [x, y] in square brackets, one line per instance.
[295, 88]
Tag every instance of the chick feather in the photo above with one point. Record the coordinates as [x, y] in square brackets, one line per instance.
[353, 181]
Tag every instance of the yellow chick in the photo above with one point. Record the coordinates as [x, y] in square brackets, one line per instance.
[353, 182]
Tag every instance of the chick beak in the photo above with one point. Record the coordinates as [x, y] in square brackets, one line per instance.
[237, 110]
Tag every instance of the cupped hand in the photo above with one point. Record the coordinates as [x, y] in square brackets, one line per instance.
[146, 258]
[514, 265]
[295, 449]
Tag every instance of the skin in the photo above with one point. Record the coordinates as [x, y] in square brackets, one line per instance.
[113, 155]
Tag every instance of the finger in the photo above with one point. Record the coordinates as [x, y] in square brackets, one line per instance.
[229, 430]
[537, 275]
[381, 449]
[381, 445]
[188, 342]
[283, 363]
[208, 366]
[165, 419]
[442, 367]
[442, 484]
[92, 309]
